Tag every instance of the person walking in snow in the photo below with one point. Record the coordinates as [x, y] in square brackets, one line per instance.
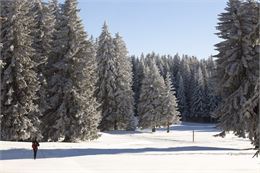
[35, 145]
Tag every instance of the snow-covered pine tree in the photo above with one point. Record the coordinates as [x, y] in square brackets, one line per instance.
[251, 27]
[73, 82]
[237, 64]
[175, 67]
[19, 85]
[135, 86]
[124, 118]
[138, 74]
[188, 84]
[4, 10]
[107, 74]
[250, 109]
[78, 108]
[150, 101]
[43, 34]
[38, 32]
[170, 113]
[52, 70]
[212, 98]
[198, 104]
[181, 97]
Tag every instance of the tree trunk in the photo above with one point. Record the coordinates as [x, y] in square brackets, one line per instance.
[67, 139]
[168, 127]
[115, 125]
[153, 129]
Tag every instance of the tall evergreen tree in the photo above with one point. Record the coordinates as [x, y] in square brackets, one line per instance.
[182, 102]
[238, 64]
[76, 116]
[150, 102]
[124, 118]
[135, 86]
[198, 102]
[107, 74]
[43, 34]
[170, 111]
[19, 85]
[187, 82]
[138, 75]
[52, 70]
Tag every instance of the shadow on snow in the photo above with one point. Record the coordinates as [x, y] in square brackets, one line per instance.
[187, 126]
[12, 154]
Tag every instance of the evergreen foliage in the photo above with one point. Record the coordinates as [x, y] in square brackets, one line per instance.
[238, 67]
[19, 84]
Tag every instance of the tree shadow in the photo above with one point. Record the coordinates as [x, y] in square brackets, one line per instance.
[123, 132]
[13, 154]
[186, 126]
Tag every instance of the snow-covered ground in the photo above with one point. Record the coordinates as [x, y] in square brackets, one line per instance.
[138, 152]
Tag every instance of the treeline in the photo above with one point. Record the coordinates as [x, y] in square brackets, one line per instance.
[193, 82]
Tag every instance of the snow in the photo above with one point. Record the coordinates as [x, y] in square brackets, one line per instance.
[137, 152]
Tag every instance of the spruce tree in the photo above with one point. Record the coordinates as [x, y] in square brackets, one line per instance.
[19, 85]
[150, 101]
[182, 102]
[76, 116]
[43, 34]
[198, 102]
[238, 65]
[124, 99]
[53, 74]
[170, 111]
[107, 74]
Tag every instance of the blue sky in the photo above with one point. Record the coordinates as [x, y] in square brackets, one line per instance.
[163, 26]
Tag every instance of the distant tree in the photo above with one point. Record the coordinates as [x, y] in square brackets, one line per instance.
[151, 96]
[186, 74]
[170, 113]
[198, 101]
[181, 97]
[136, 83]
[138, 75]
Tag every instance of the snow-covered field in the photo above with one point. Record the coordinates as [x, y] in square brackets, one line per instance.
[138, 152]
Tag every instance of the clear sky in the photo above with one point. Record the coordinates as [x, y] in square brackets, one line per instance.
[162, 26]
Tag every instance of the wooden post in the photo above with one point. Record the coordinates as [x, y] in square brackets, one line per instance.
[192, 135]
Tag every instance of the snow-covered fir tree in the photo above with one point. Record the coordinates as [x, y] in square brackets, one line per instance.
[43, 34]
[73, 83]
[107, 74]
[238, 65]
[138, 74]
[170, 113]
[151, 96]
[19, 85]
[198, 101]
[180, 93]
[52, 70]
[188, 84]
[250, 109]
[124, 98]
